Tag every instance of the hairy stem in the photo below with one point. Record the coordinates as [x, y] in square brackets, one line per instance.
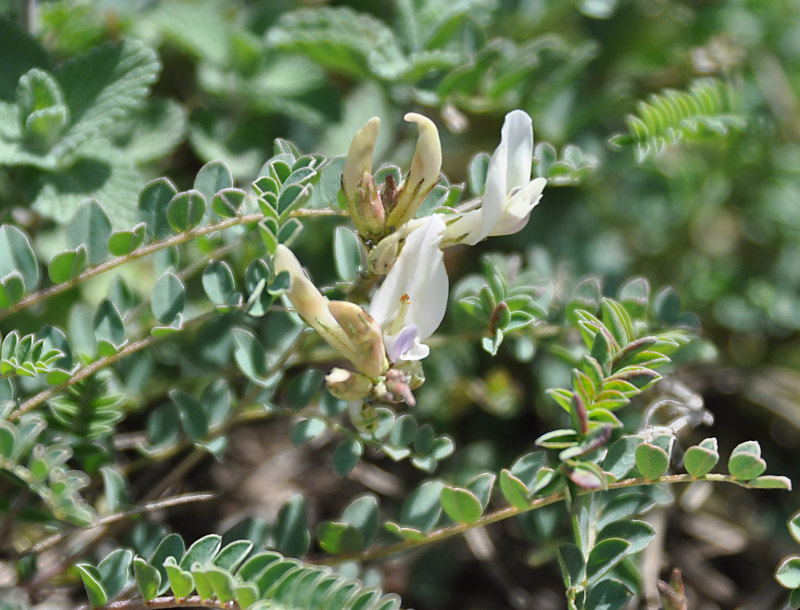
[511, 511]
[98, 364]
[174, 240]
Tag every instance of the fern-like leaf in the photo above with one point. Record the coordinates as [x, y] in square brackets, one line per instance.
[705, 110]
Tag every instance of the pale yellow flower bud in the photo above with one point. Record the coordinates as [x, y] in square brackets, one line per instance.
[360, 193]
[365, 336]
[348, 385]
[345, 326]
[423, 175]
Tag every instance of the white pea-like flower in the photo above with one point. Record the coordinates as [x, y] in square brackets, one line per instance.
[510, 194]
[411, 302]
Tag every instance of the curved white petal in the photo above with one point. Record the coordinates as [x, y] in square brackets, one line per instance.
[517, 135]
[519, 208]
[414, 292]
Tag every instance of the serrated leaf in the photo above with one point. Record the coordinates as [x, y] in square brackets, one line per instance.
[151, 131]
[102, 86]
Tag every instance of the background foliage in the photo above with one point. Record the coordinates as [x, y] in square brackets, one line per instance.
[668, 134]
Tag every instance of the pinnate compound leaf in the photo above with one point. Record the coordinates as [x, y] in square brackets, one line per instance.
[90, 227]
[16, 255]
[461, 505]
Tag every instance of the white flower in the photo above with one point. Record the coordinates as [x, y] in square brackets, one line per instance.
[510, 194]
[411, 302]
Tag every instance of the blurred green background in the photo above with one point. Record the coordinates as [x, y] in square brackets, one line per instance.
[710, 207]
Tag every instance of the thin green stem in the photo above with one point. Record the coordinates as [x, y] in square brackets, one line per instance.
[511, 511]
[98, 364]
[174, 240]
[162, 504]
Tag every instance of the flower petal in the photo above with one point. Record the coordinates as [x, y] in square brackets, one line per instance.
[519, 208]
[517, 135]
